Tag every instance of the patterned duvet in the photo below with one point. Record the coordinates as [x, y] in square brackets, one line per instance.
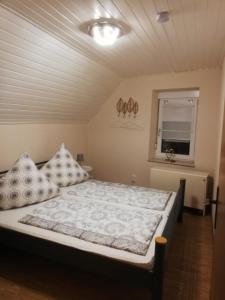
[112, 215]
[120, 194]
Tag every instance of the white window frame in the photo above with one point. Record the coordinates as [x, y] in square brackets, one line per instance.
[162, 155]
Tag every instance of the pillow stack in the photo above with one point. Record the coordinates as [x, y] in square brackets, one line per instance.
[24, 184]
[63, 170]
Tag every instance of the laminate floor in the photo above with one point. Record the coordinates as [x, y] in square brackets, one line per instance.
[188, 272]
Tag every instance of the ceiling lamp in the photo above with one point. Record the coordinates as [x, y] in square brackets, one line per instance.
[105, 31]
[163, 17]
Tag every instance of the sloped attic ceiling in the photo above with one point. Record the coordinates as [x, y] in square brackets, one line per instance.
[53, 71]
[43, 80]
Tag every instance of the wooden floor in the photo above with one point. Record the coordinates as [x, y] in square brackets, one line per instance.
[188, 274]
[189, 268]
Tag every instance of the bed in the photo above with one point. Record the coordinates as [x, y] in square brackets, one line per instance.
[35, 228]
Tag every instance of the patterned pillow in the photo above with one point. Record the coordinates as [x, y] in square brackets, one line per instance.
[63, 170]
[24, 184]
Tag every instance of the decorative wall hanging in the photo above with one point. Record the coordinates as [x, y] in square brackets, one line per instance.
[130, 106]
[135, 109]
[127, 107]
[127, 124]
[119, 106]
[124, 109]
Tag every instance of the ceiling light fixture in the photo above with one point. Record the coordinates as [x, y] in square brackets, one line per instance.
[105, 31]
[105, 34]
[163, 17]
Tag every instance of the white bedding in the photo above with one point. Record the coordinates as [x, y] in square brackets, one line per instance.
[117, 193]
[117, 226]
[9, 219]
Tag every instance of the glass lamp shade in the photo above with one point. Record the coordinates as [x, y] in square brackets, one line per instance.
[105, 34]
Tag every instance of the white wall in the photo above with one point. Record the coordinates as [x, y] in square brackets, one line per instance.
[41, 141]
[117, 153]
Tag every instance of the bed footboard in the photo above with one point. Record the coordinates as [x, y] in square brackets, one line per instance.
[162, 243]
[181, 193]
[159, 266]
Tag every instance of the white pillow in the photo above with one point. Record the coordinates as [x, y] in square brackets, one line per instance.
[24, 184]
[63, 170]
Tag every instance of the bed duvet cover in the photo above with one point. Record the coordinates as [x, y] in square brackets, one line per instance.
[108, 214]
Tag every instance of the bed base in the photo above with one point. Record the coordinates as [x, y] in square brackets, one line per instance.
[96, 263]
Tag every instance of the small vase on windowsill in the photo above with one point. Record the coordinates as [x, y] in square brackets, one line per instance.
[170, 154]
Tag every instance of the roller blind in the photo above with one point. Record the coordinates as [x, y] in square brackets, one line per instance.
[177, 122]
[177, 119]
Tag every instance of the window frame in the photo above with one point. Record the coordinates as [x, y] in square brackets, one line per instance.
[158, 146]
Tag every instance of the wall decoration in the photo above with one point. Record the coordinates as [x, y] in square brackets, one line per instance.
[124, 109]
[135, 109]
[130, 106]
[119, 106]
[127, 107]
[127, 124]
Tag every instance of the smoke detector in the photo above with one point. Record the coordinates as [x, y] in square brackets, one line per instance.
[163, 17]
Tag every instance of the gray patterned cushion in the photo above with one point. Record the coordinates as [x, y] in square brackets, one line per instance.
[63, 170]
[24, 184]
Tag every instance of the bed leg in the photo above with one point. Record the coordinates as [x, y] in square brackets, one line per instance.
[181, 196]
[160, 250]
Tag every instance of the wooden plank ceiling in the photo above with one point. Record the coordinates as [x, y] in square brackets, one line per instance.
[54, 71]
[43, 80]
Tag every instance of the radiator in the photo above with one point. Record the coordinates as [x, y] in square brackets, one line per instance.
[196, 184]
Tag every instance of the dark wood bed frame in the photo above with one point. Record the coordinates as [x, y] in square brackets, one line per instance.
[96, 263]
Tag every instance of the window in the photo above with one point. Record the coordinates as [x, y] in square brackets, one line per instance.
[176, 124]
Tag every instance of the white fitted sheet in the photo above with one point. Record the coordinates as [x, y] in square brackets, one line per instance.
[9, 220]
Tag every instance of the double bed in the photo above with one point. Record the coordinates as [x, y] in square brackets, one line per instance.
[112, 229]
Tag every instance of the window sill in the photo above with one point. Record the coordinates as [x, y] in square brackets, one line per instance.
[176, 163]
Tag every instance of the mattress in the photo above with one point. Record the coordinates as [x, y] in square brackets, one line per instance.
[10, 220]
